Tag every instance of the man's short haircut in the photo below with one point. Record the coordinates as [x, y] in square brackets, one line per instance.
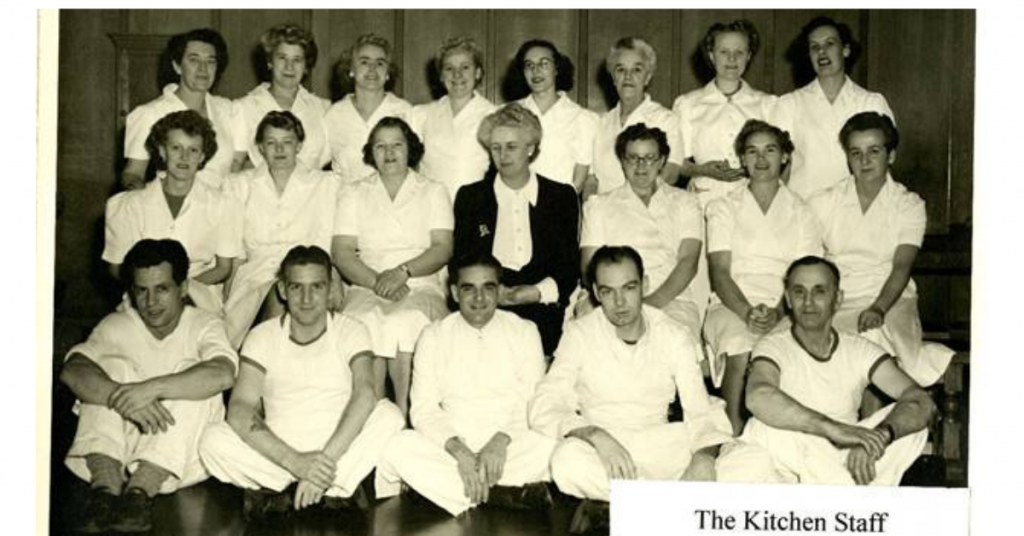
[564, 69]
[512, 115]
[187, 121]
[482, 258]
[412, 142]
[811, 260]
[641, 132]
[756, 126]
[613, 255]
[177, 45]
[291, 34]
[283, 120]
[301, 256]
[871, 121]
[147, 253]
[741, 26]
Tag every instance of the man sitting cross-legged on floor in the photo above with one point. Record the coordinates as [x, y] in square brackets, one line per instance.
[473, 374]
[805, 389]
[607, 394]
[148, 381]
[312, 371]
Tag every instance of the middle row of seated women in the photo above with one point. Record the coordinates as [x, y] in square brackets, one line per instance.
[392, 232]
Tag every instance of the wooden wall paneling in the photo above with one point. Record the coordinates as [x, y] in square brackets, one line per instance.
[515, 27]
[919, 96]
[336, 30]
[242, 28]
[605, 27]
[424, 31]
[961, 135]
[694, 72]
[168, 21]
[790, 70]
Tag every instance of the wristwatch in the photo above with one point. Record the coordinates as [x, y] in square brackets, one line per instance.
[405, 268]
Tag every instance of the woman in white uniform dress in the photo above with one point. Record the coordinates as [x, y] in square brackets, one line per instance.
[631, 63]
[566, 150]
[873, 228]
[448, 126]
[290, 53]
[368, 69]
[711, 117]
[286, 204]
[198, 57]
[754, 233]
[392, 235]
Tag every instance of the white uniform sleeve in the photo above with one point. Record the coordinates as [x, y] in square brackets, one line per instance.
[721, 222]
[229, 232]
[346, 213]
[783, 113]
[593, 224]
[121, 230]
[140, 121]
[691, 218]
[554, 410]
[670, 124]
[912, 219]
[244, 134]
[426, 413]
[103, 340]
[585, 132]
[682, 110]
[213, 342]
[442, 218]
[357, 338]
[704, 415]
[810, 241]
[530, 370]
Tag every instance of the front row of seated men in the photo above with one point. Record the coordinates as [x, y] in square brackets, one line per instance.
[489, 426]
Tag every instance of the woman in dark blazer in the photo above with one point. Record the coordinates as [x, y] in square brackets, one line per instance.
[528, 222]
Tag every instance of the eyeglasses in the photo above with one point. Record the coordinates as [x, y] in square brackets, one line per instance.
[543, 65]
[647, 160]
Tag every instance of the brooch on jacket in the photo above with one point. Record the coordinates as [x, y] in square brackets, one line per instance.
[484, 231]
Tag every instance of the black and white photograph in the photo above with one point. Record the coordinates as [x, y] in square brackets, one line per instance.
[452, 272]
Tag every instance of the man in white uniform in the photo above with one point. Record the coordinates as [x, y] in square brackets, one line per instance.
[312, 372]
[663, 223]
[475, 371]
[607, 394]
[148, 381]
[804, 392]
[815, 113]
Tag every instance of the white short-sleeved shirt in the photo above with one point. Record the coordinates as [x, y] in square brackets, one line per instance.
[199, 336]
[220, 111]
[475, 382]
[208, 224]
[620, 218]
[310, 110]
[762, 245]
[390, 232]
[306, 386]
[454, 156]
[709, 122]
[862, 244]
[607, 167]
[348, 133]
[814, 124]
[597, 379]
[567, 139]
[272, 223]
[832, 386]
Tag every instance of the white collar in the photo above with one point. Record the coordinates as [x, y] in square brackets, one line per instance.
[504, 194]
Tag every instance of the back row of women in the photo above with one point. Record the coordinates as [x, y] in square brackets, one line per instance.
[241, 182]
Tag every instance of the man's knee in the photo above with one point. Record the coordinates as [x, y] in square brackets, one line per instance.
[571, 459]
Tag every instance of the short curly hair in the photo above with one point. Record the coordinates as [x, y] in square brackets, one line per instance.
[412, 141]
[564, 69]
[512, 115]
[641, 132]
[149, 252]
[291, 34]
[283, 120]
[460, 44]
[740, 26]
[187, 121]
[870, 121]
[636, 44]
[177, 45]
[756, 126]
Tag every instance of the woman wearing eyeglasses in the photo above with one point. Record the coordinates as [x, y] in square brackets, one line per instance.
[566, 150]
[663, 223]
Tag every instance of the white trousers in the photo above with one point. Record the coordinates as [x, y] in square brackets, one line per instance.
[433, 473]
[660, 452]
[103, 431]
[231, 460]
[395, 326]
[900, 335]
[764, 454]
